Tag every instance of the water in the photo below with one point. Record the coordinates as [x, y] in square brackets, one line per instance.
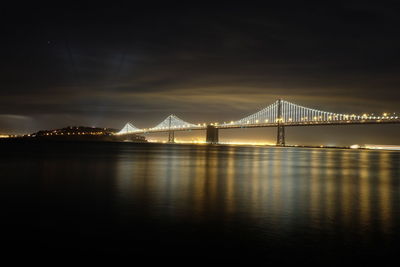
[202, 203]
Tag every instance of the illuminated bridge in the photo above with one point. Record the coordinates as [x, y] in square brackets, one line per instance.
[280, 114]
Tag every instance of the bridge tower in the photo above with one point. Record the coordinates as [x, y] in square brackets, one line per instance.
[280, 139]
[171, 134]
[212, 135]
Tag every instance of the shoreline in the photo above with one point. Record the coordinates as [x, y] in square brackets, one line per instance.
[79, 141]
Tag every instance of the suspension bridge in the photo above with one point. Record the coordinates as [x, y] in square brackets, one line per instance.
[280, 114]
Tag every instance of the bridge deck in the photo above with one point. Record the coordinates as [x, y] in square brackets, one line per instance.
[286, 124]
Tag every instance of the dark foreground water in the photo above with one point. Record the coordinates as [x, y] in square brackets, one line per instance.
[201, 204]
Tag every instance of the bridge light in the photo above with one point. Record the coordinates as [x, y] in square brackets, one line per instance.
[384, 114]
[266, 120]
[256, 121]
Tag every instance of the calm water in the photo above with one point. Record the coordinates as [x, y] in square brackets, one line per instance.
[203, 203]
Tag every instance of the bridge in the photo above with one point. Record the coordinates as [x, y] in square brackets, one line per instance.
[280, 114]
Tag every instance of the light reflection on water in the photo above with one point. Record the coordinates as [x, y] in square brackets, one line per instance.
[223, 199]
[320, 189]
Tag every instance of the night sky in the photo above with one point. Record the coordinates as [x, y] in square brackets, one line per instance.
[103, 65]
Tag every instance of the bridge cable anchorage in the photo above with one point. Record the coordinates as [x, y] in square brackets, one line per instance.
[129, 128]
[212, 136]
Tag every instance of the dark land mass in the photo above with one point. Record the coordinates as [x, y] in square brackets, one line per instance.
[79, 133]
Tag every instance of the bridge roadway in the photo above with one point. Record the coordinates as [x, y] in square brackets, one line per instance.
[282, 113]
[256, 125]
[213, 135]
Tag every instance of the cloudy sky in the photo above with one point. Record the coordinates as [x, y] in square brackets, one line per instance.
[103, 66]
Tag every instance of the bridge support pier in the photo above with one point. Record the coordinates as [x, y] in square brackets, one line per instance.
[171, 137]
[212, 136]
[280, 138]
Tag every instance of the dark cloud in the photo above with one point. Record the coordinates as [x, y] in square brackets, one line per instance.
[109, 64]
